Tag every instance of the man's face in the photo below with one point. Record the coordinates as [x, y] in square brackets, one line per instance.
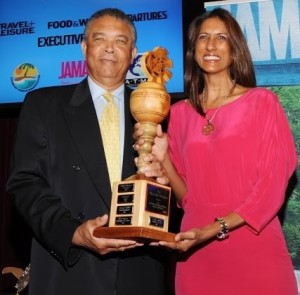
[109, 50]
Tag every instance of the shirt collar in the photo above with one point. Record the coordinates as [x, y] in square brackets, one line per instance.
[97, 91]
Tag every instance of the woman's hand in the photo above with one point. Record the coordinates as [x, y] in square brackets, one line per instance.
[196, 236]
[152, 163]
[184, 241]
[167, 173]
[160, 145]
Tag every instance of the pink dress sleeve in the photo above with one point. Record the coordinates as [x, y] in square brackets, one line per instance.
[276, 161]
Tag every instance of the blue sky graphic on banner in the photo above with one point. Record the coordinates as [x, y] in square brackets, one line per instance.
[40, 41]
[272, 30]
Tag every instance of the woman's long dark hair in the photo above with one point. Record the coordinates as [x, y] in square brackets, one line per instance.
[241, 69]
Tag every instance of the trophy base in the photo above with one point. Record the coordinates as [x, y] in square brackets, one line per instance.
[141, 202]
[140, 210]
[138, 233]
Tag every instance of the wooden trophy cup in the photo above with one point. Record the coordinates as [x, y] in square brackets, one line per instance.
[140, 206]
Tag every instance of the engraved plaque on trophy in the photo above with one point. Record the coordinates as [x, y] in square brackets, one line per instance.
[140, 206]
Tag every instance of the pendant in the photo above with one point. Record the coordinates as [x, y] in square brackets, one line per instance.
[208, 128]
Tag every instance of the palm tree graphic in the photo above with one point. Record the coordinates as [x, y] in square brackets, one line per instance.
[24, 67]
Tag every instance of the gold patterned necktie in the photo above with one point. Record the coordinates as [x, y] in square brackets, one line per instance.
[110, 132]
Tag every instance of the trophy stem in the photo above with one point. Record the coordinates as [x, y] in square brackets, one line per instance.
[148, 137]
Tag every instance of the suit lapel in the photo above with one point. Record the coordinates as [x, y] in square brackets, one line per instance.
[82, 120]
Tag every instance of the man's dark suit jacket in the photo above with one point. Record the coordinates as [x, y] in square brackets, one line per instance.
[58, 180]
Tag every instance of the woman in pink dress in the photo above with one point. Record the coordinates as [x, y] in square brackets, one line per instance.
[230, 156]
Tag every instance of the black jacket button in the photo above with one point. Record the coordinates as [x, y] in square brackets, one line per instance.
[76, 168]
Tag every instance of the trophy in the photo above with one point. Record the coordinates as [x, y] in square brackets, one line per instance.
[140, 206]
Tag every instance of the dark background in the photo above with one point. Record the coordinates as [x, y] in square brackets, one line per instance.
[14, 235]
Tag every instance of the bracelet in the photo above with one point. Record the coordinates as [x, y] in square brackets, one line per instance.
[224, 231]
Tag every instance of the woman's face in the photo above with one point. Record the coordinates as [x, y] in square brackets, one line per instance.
[212, 52]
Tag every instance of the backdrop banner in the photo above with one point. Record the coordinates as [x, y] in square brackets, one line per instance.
[40, 42]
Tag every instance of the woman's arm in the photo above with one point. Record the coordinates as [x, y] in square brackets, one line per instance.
[217, 229]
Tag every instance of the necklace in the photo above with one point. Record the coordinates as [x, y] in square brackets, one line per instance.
[208, 128]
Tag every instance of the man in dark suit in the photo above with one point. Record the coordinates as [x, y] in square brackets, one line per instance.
[60, 181]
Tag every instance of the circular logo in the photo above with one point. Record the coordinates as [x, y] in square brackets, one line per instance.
[25, 77]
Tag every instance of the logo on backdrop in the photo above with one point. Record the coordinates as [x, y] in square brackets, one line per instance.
[135, 74]
[62, 40]
[25, 77]
[149, 16]
[72, 69]
[66, 23]
[17, 28]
